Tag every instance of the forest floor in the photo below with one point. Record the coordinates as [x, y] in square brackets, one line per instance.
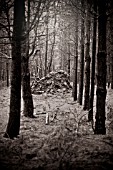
[66, 143]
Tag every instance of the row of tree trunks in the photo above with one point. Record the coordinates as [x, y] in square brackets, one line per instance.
[20, 69]
[101, 66]
[18, 59]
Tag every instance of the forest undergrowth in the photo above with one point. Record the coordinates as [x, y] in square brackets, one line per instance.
[65, 142]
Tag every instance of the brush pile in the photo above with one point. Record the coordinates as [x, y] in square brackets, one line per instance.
[52, 83]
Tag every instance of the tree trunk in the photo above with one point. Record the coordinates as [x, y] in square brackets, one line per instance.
[13, 126]
[87, 61]
[75, 62]
[54, 39]
[81, 79]
[0, 70]
[27, 95]
[90, 114]
[101, 70]
[68, 66]
[46, 50]
[7, 73]
[40, 70]
[111, 32]
[112, 71]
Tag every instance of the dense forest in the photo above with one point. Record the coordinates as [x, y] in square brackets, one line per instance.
[50, 47]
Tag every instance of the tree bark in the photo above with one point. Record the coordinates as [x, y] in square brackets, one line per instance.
[13, 126]
[101, 70]
[68, 65]
[46, 49]
[111, 32]
[7, 73]
[112, 72]
[90, 114]
[87, 61]
[53, 44]
[27, 95]
[81, 79]
[75, 62]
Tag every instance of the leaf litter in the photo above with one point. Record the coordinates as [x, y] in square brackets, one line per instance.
[67, 142]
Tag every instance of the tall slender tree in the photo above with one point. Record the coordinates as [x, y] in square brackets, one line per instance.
[87, 59]
[46, 46]
[68, 64]
[81, 77]
[75, 61]
[101, 69]
[27, 96]
[54, 40]
[111, 33]
[90, 114]
[15, 98]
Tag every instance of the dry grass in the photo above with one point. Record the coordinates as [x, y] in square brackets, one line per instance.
[66, 143]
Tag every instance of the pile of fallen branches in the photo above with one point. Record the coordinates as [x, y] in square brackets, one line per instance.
[52, 83]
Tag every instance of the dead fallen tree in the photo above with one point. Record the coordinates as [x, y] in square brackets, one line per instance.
[52, 83]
